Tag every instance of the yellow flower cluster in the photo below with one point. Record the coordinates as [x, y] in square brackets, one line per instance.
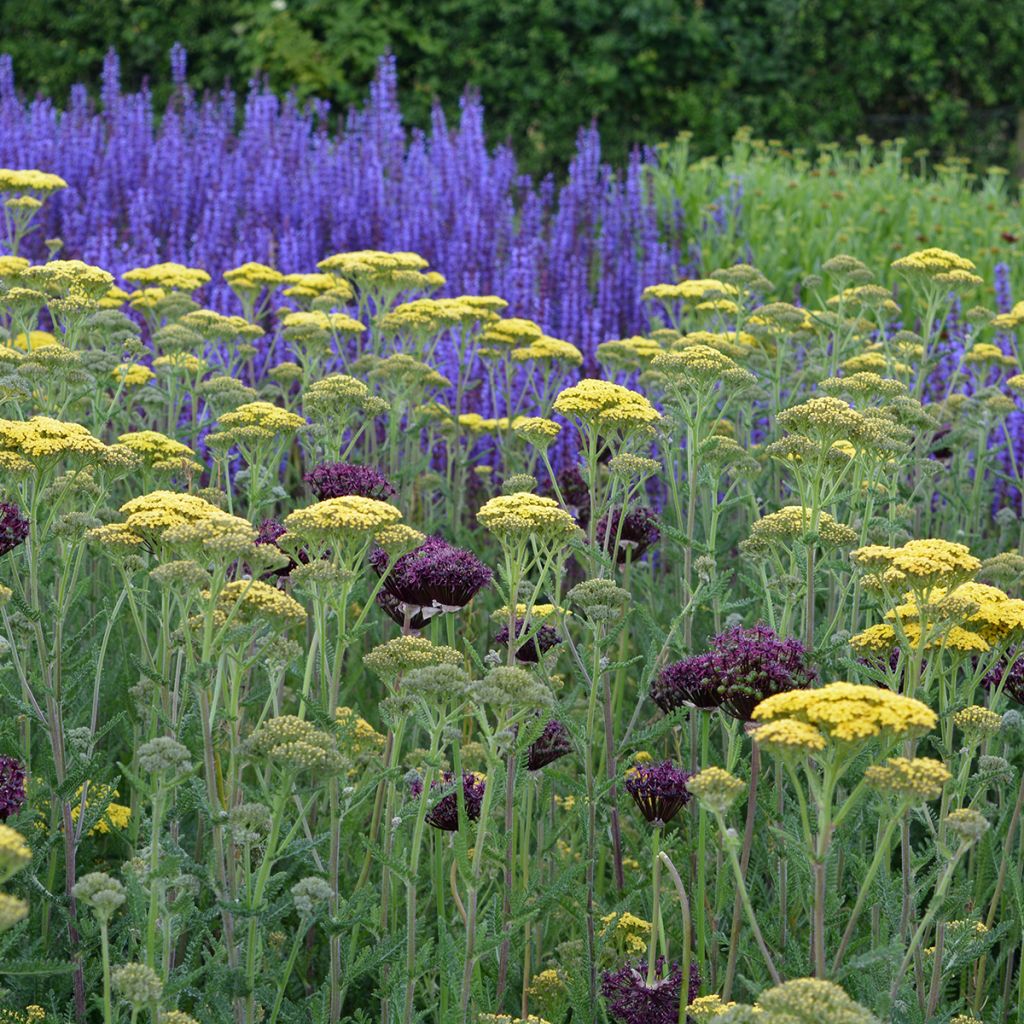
[405, 653]
[546, 349]
[912, 777]
[536, 430]
[628, 353]
[292, 743]
[511, 331]
[301, 322]
[214, 326]
[363, 739]
[351, 516]
[716, 789]
[33, 340]
[850, 713]
[699, 365]
[789, 736]
[80, 282]
[132, 375]
[183, 362]
[42, 440]
[920, 564]
[148, 517]
[160, 452]
[977, 721]
[704, 1009]
[251, 600]
[939, 265]
[630, 931]
[174, 276]
[372, 268]
[30, 181]
[14, 852]
[794, 522]
[253, 277]
[693, 291]
[264, 416]
[882, 638]
[521, 515]
[114, 815]
[607, 407]
[431, 316]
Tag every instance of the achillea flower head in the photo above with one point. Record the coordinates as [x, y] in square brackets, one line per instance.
[137, 984]
[101, 892]
[749, 665]
[549, 746]
[435, 578]
[444, 815]
[967, 823]
[607, 407]
[253, 600]
[789, 736]
[337, 479]
[793, 522]
[291, 742]
[659, 790]
[12, 786]
[851, 713]
[632, 1001]
[350, 517]
[539, 640]
[164, 755]
[977, 722]
[405, 653]
[812, 1001]
[310, 894]
[520, 516]
[14, 852]
[920, 564]
[705, 1009]
[631, 534]
[13, 527]
[508, 686]
[12, 910]
[921, 778]
[630, 931]
[689, 683]
[716, 789]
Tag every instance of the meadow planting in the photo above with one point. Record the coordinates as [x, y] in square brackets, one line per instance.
[433, 595]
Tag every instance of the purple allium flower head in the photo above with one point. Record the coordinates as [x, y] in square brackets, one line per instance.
[686, 684]
[549, 746]
[398, 611]
[13, 527]
[268, 532]
[1013, 686]
[444, 814]
[12, 786]
[659, 790]
[639, 532]
[749, 665]
[436, 577]
[632, 1001]
[535, 646]
[338, 479]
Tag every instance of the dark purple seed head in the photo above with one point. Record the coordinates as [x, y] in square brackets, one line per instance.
[13, 527]
[12, 786]
[339, 479]
[659, 790]
[549, 746]
[534, 647]
[639, 530]
[444, 815]
[632, 1001]
[686, 684]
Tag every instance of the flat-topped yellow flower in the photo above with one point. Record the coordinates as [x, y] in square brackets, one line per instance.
[252, 599]
[295, 324]
[789, 735]
[132, 375]
[214, 326]
[33, 340]
[264, 415]
[511, 331]
[547, 349]
[912, 777]
[850, 713]
[42, 439]
[607, 407]
[150, 515]
[30, 180]
[698, 366]
[521, 515]
[920, 563]
[347, 516]
[405, 653]
[175, 276]
[794, 522]
[692, 291]
[629, 353]
[932, 261]
[536, 430]
[253, 276]
[14, 852]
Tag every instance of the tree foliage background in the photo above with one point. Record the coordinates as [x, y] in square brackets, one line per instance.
[945, 74]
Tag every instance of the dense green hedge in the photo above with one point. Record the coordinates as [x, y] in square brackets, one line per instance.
[946, 73]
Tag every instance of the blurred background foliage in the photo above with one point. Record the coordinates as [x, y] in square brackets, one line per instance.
[944, 74]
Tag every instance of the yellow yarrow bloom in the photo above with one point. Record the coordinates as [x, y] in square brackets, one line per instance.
[547, 349]
[521, 515]
[912, 777]
[253, 599]
[347, 516]
[789, 736]
[264, 415]
[850, 713]
[631, 931]
[607, 407]
[33, 340]
[132, 375]
[173, 276]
